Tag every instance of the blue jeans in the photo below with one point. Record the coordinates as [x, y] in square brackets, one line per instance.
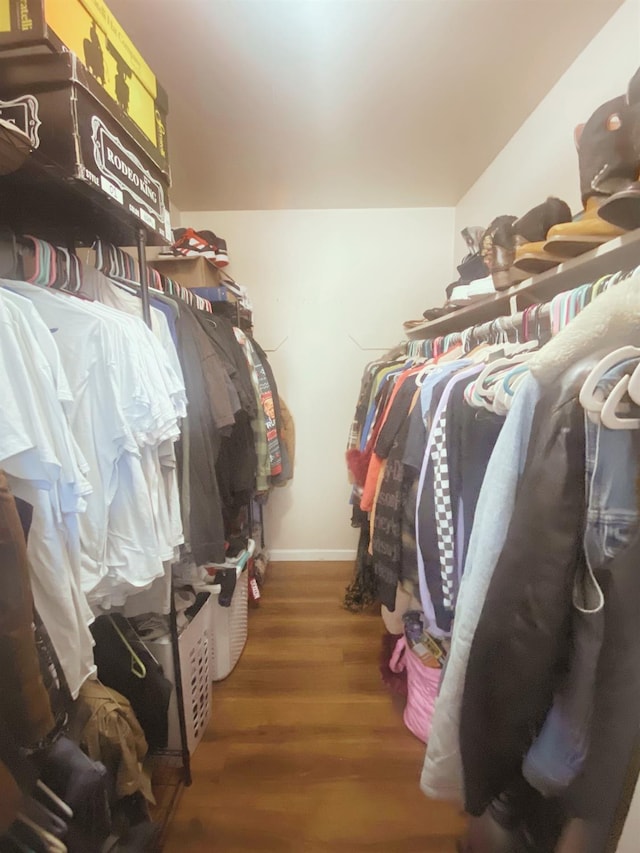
[611, 469]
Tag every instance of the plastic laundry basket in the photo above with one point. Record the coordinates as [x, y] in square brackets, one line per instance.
[195, 663]
[229, 627]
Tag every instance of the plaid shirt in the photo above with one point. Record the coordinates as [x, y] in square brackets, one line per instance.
[258, 425]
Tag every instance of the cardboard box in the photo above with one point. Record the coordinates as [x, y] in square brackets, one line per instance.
[189, 272]
[118, 75]
[76, 139]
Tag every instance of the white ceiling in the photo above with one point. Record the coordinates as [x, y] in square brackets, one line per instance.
[349, 103]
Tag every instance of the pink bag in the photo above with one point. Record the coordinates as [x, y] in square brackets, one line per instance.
[423, 684]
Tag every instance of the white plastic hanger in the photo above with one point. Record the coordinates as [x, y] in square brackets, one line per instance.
[609, 415]
[422, 374]
[53, 798]
[633, 389]
[483, 394]
[589, 402]
[49, 841]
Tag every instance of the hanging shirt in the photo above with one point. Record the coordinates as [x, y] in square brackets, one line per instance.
[268, 411]
[258, 424]
[37, 453]
[442, 772]
[126, 397]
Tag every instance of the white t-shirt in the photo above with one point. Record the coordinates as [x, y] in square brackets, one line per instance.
[124, 399]
[97, 421]
[97, 286]
[164, 375]
[38, 453]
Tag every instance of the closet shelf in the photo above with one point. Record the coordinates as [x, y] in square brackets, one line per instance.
[190, 272]
[621, 253]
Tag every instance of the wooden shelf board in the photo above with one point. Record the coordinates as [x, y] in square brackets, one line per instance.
[621, 253]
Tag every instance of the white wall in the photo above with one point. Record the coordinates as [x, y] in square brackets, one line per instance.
[330, 290]
[540, 160]
[176, 215]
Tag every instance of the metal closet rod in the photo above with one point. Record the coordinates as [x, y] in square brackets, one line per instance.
[173, 622]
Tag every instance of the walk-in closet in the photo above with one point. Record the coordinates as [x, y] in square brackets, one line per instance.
[319, 426]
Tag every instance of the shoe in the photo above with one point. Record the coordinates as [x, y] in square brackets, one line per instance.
[459, 295]
[222, 256]
[583, 234]
[436, 313]
[219, 246]
[462, 294]
[472, 268]
[623, 208]
[533, 258]
[15, 147]
[499, 250]
[472, 265]
[531, 231]
[607, 164]
[480, 288]
[535, 225]
[190, 244]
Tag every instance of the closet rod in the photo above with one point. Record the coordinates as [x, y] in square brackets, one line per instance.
[173, 620]
[144, 281]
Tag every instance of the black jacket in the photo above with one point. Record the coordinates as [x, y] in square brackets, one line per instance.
[204, 529]
[521, 644]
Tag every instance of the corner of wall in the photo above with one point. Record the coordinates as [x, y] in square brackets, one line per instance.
[176, 215]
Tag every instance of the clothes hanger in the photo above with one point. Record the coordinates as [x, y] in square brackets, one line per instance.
[51, 843]
[589, 402]
[44, 817]
[633, 386]
[481, 392]
[54, 799]
[513, 378]
[609, 415]
[479, 353]
[137, 667]
[509, 360]
[451, 354]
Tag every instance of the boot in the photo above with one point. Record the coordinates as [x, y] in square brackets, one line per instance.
[623, 208]
[582, 235]
[499, 250]
[531, 231]
[606, 161]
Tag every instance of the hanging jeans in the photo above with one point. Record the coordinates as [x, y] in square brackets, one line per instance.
[611, 468]
[596, 794]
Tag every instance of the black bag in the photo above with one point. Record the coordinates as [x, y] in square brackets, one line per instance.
[149, 694]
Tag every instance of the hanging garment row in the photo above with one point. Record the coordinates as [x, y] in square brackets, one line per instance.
[125, 451]
[495, 481]
[90, 428]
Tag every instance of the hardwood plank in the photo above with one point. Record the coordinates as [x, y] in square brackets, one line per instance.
[306, 751]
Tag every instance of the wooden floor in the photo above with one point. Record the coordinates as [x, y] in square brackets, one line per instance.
[306, 752]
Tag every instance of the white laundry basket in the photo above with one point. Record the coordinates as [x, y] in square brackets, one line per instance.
[229, 627]
[195, 663]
